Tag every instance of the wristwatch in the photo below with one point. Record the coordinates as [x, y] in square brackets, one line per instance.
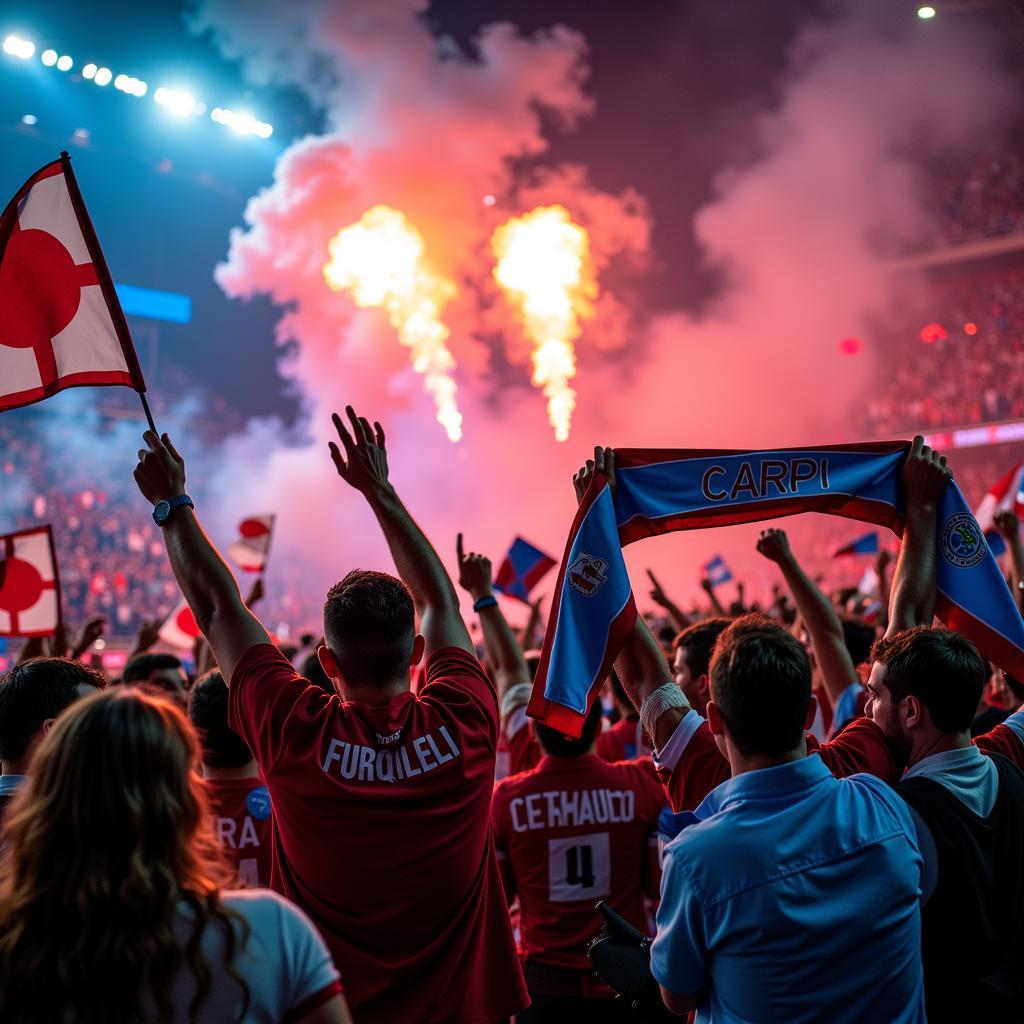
[163, 510]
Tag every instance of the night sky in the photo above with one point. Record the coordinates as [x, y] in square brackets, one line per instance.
[676, 82]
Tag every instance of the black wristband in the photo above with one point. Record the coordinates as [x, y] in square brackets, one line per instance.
[488, 601]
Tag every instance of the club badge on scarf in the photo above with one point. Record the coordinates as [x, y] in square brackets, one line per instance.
[662, 490]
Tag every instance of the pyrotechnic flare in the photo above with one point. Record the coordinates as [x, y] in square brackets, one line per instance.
[380, 261]
[543, 264]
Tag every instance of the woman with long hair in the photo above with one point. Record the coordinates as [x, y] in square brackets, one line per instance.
[115, 905]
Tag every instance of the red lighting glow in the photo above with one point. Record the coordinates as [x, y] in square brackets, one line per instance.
[970, 328]
[851, 347]
[932, 333]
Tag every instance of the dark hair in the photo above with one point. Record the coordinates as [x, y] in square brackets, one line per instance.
[34, 691]
[369, 625]
[699, 641]
[208, 710]
[142, 666]
[112, 836]
[312, 670]
[858, 635]
[558, 745]
[943, 669]
[761, 685]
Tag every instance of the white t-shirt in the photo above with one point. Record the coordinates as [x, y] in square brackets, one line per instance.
[285, 964]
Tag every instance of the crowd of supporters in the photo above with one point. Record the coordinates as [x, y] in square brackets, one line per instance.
[956, 363]
[112, 563]
[981, 199]
[814, 807]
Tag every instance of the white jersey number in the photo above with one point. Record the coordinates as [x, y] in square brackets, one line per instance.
[579, 867]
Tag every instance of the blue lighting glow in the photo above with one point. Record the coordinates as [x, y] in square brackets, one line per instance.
[156, 305]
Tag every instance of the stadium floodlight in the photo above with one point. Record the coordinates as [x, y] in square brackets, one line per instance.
[925, 12]
[18, 47]
[65, 63]
[103, 76]
[241, 122]
[89, 71]
[179, 103]
[121, 83]
[49, 58]
[30, 119]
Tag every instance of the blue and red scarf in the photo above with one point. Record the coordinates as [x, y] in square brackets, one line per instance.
[661, 491]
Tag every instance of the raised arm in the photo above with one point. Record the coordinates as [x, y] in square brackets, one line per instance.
[503, 650]
[716, 606]
[364, 466]
[641, 666]
[529, 636]
[819, 617]
[680, 620]
[912, 600]
[882, 563]
[204, 578]
[1008, 526]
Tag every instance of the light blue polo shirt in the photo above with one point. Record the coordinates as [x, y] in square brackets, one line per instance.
[793, 896]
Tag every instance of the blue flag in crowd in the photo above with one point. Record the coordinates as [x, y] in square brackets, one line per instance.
[522, 569]
[717, 571]
[866, 545]
[660, 491]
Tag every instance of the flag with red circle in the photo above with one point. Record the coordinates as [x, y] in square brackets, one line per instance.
[29, 583]
[180, 628]
[62, 324]
[250, 551]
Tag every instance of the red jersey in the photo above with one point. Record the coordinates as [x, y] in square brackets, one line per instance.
[1002, 740]
[574, 830]
[624, 741]
[380, 833]
[691, 773]
[241, 810]
[518, 750]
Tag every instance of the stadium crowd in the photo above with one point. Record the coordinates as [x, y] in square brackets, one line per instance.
[982, 199]
[977, 327]
[816, 807]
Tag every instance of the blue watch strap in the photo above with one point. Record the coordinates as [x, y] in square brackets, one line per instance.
[484, 602]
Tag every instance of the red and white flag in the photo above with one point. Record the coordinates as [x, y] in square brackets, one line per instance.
[180, 629]
[249, 552]
[62, 325]
[1006, 494]
[29, 584]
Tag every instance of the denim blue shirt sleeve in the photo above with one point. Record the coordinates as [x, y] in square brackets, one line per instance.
[679, 953]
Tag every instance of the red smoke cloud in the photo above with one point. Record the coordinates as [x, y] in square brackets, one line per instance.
[416, 124]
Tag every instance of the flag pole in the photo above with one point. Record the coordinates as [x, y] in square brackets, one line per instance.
[106, 283]
[146, 410]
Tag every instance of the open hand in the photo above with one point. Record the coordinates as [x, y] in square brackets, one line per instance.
[474, 571]
[148, 634]
[364, 465]
[160, 473]
[91, 632]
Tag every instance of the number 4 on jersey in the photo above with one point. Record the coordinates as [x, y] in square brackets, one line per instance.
[579, 868]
